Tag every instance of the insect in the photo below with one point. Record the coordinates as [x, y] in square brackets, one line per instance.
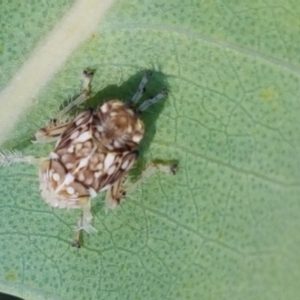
[94, 152]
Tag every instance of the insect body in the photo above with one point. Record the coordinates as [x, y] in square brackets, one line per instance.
[93, 152]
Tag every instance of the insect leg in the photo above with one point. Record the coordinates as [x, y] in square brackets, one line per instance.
[84, 223]
[86, 90]
[141, 89]
[151, 101]
[169, 168]
[52, 131]
[8, 158]
[114, 194]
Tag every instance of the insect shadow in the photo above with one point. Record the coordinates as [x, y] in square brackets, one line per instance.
[124, 93]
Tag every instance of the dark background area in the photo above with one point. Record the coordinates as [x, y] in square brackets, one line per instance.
[8, 297]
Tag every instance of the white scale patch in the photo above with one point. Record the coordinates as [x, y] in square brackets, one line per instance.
[117, 144]
[83, 163]
[89, 181]
[100, 166]
[104, 108]
[70, 190]
[125, 164]
[111, 170]
[137, 138]
[83, 137]
[56, 177]
[109, 159]
[71, 149]
[97, 174]
[78, 146]
[68, 179]
[100, 128]
[92, 193]
[53, 155]
[74, 135]
[69, 165]
[79, 121]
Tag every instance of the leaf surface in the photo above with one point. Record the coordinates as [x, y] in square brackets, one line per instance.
[227, 226]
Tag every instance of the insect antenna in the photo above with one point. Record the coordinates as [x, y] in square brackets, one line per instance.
[144, 106]
[142, 88]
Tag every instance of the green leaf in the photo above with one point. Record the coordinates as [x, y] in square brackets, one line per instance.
[227, 226]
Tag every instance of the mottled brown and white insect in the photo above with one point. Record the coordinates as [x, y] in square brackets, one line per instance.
[94, 152]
